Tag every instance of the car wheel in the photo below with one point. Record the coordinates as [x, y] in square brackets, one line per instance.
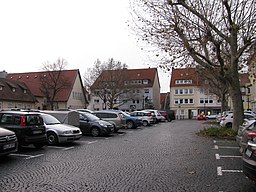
[145, 123]
[130, 124]
[95, 131]
[39, 145]
[52, 138]
[229, 125]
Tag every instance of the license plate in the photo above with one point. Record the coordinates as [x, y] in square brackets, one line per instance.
[9, 146]
[248, 152]
[37, 132]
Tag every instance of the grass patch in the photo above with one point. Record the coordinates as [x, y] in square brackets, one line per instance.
[218, 132]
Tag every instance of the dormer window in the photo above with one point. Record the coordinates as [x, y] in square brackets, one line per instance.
[1, 88]
[145, 81]
[13, 89]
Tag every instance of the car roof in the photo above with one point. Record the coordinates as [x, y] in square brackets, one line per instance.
[20, 112]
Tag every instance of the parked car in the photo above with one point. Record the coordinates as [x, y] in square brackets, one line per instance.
[228, 119]
[221, 115]
[8, 142]
[171, 115]
[158, 116]
[131, 121]
[93, 125]
[164, 113]
[28, 127]
[249, 159]
[58, 132]
[201, 116]
[244, 132]
[211, 116]
[246, 124]
[115, 118]
[85, 110]
[250, 112]
[145, 116]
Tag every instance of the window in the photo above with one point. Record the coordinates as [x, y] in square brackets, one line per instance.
[145, 81]
[176, 91]
[187, 81]
[146, 90]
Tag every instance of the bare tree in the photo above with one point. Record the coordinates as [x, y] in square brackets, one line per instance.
[109, 82]
[52, 82]
[216, 85]
[214, 34]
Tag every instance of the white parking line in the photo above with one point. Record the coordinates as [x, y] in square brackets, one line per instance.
[220, 171]
[27, 156]
[224, 147]
[223, 141]
[56, 147]
[228, 147]
[19, 155]
[67, 148]
[226, 156]
[92, 142]
[34, 156]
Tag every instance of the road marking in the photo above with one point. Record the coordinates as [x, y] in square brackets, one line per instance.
[34, 156]
[67, 148]
[63, 148]
[56, 147]
[228, 147]
[220, 171]
[224, 147]
[226, 156]
[19, 155]
[223, 141]
[91, 142]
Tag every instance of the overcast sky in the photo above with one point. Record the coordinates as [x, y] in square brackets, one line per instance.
[79, 31]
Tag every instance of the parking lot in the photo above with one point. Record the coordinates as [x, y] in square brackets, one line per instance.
[164, 157]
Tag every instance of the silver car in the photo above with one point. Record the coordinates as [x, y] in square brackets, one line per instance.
[58, 132]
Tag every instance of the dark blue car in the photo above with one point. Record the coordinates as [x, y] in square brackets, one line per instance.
[131, 122]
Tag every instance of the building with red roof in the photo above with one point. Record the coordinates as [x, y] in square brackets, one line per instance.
[15, 94]
[70, 95]
[190, 96]
[142, 89]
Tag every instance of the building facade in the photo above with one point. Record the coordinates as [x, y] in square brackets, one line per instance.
[70, 93]
[140, 90]
[190, 95]
[15, 94]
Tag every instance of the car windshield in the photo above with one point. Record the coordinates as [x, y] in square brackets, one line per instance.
[91, 117]
[50, 120]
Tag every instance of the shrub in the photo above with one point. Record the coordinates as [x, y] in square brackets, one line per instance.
[217, 132]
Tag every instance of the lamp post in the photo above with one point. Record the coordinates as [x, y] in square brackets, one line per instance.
[248, 91]
[179, 110]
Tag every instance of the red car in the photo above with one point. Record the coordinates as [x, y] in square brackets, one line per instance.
[201, 117]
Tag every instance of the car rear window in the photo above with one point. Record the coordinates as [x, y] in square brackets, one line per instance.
[18, 119]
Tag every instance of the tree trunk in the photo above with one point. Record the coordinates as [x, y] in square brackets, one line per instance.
[238, 115]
